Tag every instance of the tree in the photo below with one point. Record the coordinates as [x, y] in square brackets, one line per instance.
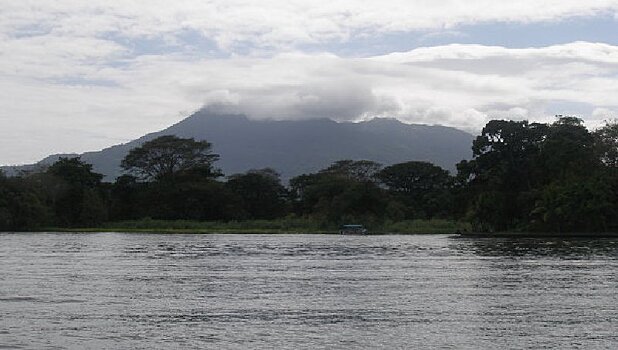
[21, 205]
[582, 205]
[606, 139]
[336, 195]
[126, 198]
[76, 193]
[206, 199]
[169, 155]
[75, 172]
[415, 177]
[498, 181]
[540, 177]
[568, 151]
[421, 185]
[359, 170]
[504, 153]
[263, 195]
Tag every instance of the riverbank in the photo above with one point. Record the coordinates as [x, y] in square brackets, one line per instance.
[539, 234]
[278, 226]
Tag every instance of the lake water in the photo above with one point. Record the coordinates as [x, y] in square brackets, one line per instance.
[154, 291]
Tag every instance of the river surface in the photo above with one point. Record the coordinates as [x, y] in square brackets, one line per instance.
[156, 291]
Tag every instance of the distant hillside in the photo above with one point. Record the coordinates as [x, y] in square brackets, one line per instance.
[296, 147]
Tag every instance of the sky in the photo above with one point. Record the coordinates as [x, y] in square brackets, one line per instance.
[80, 75]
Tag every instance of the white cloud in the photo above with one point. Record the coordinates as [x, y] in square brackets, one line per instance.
[602, 115]
[79, 75]
[148, 92]
[278, 23]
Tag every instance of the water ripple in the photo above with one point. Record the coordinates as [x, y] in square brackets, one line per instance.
[143, 291]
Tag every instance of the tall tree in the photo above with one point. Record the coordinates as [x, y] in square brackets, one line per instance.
[568, 150]
[21, 205]
[169, 155]
[606, 139]
[499, 179]
[504, 153]
[263, 195]
[339, 194]
[75, 172]
[415, 177]
[359, 170]
[424, 187]
[77, 195]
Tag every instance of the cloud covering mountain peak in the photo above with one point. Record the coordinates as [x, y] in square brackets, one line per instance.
[100, 72]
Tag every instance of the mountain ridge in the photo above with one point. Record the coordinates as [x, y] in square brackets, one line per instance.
[294, 147]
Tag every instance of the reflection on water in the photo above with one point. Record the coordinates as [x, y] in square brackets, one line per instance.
[576, 248]
[141, 291]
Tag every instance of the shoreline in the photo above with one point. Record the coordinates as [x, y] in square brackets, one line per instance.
[219, 232]
[539, 235]
[275, 226]
[257, 231]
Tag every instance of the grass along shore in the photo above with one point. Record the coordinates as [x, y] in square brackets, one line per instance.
[278, 226]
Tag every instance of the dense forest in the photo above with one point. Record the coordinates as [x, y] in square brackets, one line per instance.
[523, 176]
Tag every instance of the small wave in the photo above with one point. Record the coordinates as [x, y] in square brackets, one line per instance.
[66, 301]
[18, 299]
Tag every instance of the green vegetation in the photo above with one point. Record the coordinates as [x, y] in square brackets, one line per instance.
[169, 155]
[282, 225]
[542, 178]
[523, 177]
[433, 226]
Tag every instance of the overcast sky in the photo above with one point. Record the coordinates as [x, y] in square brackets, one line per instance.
[79, 75]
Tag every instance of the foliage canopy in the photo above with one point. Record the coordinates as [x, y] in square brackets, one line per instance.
[557, 177]
[168, 155]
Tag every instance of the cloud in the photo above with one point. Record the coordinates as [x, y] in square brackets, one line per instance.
[602, 115]
[277, 23]
[456, 85]
[79, 75]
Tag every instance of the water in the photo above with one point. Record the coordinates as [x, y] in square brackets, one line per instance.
[151, 291]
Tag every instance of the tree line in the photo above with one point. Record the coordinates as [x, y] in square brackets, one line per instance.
[557, 177]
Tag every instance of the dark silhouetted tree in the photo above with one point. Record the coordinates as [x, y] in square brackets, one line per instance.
[424, 187]
[606, 139]
[504, 170]
[359, 170]
[336, 195]
[21, 205]
[568, 151]
[263, 195]
[77, 194]
[169, 155]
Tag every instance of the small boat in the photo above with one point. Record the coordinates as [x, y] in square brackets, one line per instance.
[353, 230]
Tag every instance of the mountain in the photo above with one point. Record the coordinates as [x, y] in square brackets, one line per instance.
[296, 147]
